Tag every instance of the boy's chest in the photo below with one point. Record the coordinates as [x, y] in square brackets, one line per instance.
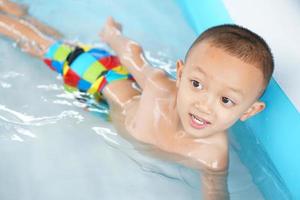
[152, 119]
[155, 122]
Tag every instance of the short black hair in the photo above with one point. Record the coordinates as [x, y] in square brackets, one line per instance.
[242, 43]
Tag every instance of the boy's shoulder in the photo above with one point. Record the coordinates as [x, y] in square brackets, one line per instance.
[207, 155]
[215, 157]
[158, 79]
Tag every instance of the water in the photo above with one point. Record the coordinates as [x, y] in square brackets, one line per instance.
[52, 148]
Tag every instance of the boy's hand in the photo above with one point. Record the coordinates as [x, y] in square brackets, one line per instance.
[129, 52]
[110, 28]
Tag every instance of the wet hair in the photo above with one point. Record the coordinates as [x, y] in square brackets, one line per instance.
[241, 43]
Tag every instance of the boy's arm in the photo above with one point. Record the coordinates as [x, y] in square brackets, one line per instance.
[214, 186]
[214, 172]
[129, 52]
[212, 162]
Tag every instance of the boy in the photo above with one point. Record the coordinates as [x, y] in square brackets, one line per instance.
[220, 81]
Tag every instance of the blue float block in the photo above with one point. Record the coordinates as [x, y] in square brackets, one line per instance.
[99, 53]
[83, 85]
[82, 63]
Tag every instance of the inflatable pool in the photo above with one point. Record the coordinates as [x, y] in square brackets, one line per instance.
[277, 128]
[52, 148]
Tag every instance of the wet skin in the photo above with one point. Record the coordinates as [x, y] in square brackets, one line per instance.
[162, 115]
[213, 86]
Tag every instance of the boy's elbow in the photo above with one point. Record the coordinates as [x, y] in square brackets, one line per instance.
[133, 48]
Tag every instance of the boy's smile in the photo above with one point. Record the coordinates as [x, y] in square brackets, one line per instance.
[215, 89]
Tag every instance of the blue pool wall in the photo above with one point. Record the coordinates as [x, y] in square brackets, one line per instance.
[277, 127]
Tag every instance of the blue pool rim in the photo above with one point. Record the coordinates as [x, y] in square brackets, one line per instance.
[277, 127]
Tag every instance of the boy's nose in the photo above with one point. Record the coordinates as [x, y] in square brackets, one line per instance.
[205, 105]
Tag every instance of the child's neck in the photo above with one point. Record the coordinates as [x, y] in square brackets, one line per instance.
[214, 138]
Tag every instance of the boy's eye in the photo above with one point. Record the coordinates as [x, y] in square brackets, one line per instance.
[227, 101]
[196, 84]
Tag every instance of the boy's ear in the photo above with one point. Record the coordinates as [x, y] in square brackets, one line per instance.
[256, 107]
[179, 68]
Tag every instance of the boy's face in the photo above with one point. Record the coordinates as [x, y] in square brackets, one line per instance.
[217, 87]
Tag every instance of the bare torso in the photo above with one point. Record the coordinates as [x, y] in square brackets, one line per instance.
[151, 118]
